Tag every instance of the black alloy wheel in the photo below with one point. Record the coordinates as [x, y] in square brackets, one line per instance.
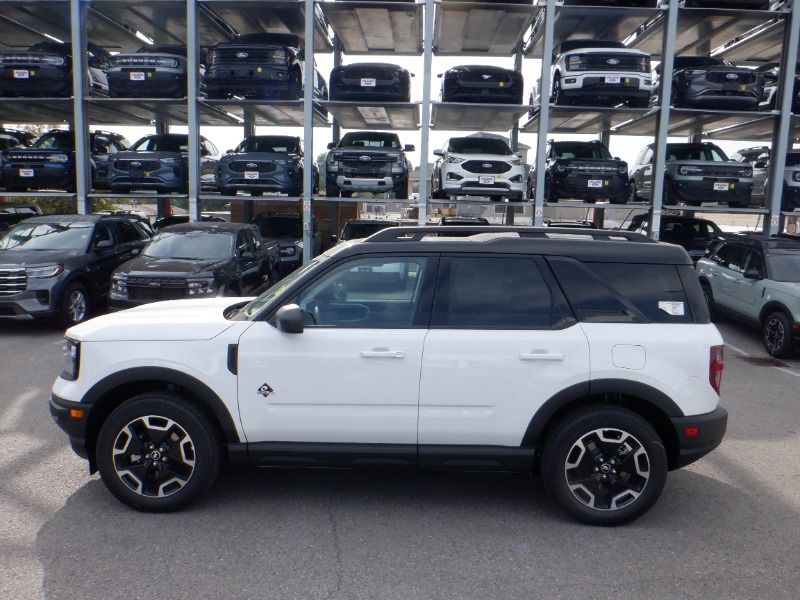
[776, 333]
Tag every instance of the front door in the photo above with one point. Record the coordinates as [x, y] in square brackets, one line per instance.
[352, 375]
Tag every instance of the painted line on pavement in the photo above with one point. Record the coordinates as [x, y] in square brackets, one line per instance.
[737, 349]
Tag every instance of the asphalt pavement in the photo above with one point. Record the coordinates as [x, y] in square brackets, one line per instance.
[725, 527]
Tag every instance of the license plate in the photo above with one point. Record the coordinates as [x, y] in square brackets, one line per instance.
[486, 179]
[21, 74]
[251, 174]
[721, 187]
[367, 82]
[137, 76]
[612, 79]
[595, 183]
[26, 172]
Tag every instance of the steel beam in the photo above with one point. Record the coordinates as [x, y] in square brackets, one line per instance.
[192, 55]
[336, 130]
[425, 132]
[80, 129]
[308, 134]
[544, 110]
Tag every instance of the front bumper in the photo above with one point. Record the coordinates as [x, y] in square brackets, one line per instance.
[631, 85]
[480, 94]
[45, 176]
[165, 178]
[791, 196]
[49, 82]
[698, 92]
[702, 190]
[698, 435]
[350, 89]
[170, 83]
[251, 81]
[577, 186]
[278, 180]
[364, 184]
[457, 181]
[72, 418]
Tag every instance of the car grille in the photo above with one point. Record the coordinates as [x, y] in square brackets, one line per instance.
[254, 55]
[12, 281]
[356, 73]
[261, 167]
[590, 168]
[624, 62]
[141, 288]
[490, 78]
[486, 166]
[26, 158]
[143, 165]
[722, 77]
[721, 171]
[361, 171]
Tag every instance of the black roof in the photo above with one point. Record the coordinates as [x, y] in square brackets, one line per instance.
[208, 226]
[75, 218]
[779, 242]
[589, 245]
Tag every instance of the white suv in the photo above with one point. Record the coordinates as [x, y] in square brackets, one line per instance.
[585, 355]
[478, 166]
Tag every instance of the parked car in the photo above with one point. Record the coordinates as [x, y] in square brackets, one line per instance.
[12, 213]
[770, 73]
[159, 224]
[748, 4]
[260, 65]
[59, 266]
[694, 173]
[482, 84]
[6, 142]
[582, 170]
[161, 162]
[508, 350]
[49, 163]
[756, 279]
[458, 221]
[154, 71]
[692, 233]
[758, 158]
[598, 72]
[22, 137]
[561, 223]
[197, 260]
[370, 82]
[287, 230]
[790, 198]
[45, 69]
[713, 82]
[478, 166]
[264, 163]
[367, 161]
[356, 229]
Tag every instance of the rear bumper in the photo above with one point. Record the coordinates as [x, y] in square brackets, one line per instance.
[698, 435]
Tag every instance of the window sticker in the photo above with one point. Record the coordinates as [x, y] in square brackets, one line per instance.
[675, 309]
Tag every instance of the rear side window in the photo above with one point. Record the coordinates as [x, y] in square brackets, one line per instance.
[497, 293]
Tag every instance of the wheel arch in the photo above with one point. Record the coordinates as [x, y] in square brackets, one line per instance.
[111, 392]
[774, 306]
[651, 404]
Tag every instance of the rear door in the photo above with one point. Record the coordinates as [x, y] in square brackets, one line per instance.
[502, 341]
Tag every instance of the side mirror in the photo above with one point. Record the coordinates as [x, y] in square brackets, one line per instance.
[334, 238]
[518, 154]
[104, 245]
[752, 274]
[409, 148]
[331, 145]
[247, 254]
[617, 158]
[228, 151]
[438, 153]
[760, 165]
[289, 319]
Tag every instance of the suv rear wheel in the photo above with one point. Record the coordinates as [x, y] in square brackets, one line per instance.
[604, 465]
[776, 333]
[157, 452]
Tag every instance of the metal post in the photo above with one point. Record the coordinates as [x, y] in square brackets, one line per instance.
[513, 135]
[336, 130]
[544, 110]
[425, 130]
[308, 133]
[659, 156]
[780, 139]
[162, 126]
[192, 54]
[605, 137]
[249, 125]
[83, 176]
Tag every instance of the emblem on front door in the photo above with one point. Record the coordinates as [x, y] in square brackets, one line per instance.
[265, 390]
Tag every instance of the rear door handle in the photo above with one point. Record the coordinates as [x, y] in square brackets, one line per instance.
[540, 355]
[382, 353]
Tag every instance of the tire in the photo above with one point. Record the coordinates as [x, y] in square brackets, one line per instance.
[331, 191]
[619, 199]
[401, 190]
[626, 442]
[549, 191]
[776, 334]
[638, 102]
[139, 479]
[75, 305]
[708, 294]
[669, 193]
[558, 96]
[632, 197]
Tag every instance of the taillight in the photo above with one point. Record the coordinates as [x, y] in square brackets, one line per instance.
[715, 366]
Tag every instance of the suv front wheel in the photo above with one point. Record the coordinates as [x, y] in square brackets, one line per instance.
[157, 452]
[604, 465]
[777, 336]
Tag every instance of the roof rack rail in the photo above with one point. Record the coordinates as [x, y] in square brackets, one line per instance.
[416, 234]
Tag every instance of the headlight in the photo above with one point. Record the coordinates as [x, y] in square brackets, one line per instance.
[44, 272]
[796, 176]
[516, 161]
[623, 169]
[746, 172]
[454, 160]
[72, 359]
[119, 284]
[171, 161]
[200, 287]
[331, 158]
[695, 72]
[58, 61]
[689, 170]
[288, 251]
[58, 158]
[574, 62]
[561, 167]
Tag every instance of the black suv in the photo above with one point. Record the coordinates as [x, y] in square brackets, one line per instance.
[264, 163]
[59, 266]
[260, 65]
[287, 230]
[356, 229]
[583, 170]
[484, 84]
[151, 72]
[13, 212]
[370, 82]
[197, 260]
[692, 233]
[712, 82]
[50, 162]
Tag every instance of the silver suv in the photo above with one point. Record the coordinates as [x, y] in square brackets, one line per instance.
[694, 173]
[756, 279]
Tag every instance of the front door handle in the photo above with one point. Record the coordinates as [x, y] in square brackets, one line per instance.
[382, 353]
[541, 355]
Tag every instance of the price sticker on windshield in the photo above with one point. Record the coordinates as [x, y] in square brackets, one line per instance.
[137, 76]
[368, 82]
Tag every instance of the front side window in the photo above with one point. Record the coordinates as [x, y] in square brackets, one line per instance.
[731, 256]
[375, 292]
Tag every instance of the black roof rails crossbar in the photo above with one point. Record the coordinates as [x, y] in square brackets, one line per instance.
[416, 234]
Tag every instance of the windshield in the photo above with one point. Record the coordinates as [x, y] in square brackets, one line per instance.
[256, 306]
[689, 152]
[691, 62]
[357, 231]
[364, 139]
[277, 145]
[793, 160]
[66, 237]
[165, 49]
[57, 139]
[581, 151]
[471, 145]
[162, 143]
[278, 227]
[784, 267]
[190, 245]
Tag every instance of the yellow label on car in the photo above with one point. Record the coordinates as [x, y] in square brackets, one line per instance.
[743, 88]
[258, 69]
[733, 186]
[147, 173]
[501, 83]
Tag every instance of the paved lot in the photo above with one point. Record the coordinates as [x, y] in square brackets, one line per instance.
[726, 527]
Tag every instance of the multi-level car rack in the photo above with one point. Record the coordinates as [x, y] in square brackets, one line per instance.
[424, 28]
